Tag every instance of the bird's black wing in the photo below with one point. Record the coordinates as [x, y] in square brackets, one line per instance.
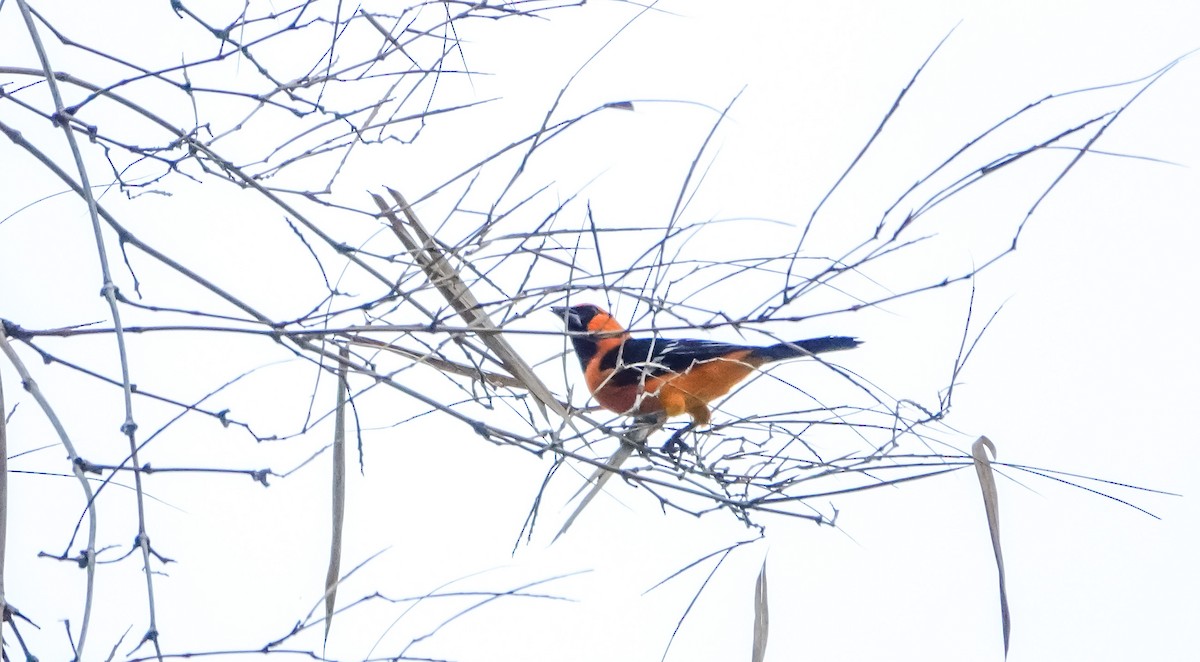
[638, 358]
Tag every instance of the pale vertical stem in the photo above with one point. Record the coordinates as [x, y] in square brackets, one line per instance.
[89, 554]
[338, 481]
[3, 507]
[129, 428]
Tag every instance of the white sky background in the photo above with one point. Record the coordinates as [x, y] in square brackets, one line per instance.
[1090, 368]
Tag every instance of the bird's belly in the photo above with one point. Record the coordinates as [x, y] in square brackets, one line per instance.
[712, 379]
[628, 400]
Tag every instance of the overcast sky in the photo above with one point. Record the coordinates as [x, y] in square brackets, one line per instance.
[1089, 368]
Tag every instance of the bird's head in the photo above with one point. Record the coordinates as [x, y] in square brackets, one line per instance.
[591, 328]
[579, 318]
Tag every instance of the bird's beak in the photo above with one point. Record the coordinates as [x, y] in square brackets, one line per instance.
[569, 316]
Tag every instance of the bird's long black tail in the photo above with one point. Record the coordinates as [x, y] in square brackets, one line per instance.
[791, 350]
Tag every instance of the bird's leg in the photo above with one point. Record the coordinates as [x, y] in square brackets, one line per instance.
[675, 445]
[640, 429]
[648, 425]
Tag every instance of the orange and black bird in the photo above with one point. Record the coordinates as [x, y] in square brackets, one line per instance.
[655, 376]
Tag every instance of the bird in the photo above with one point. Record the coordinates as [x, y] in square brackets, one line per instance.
[669, 377]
